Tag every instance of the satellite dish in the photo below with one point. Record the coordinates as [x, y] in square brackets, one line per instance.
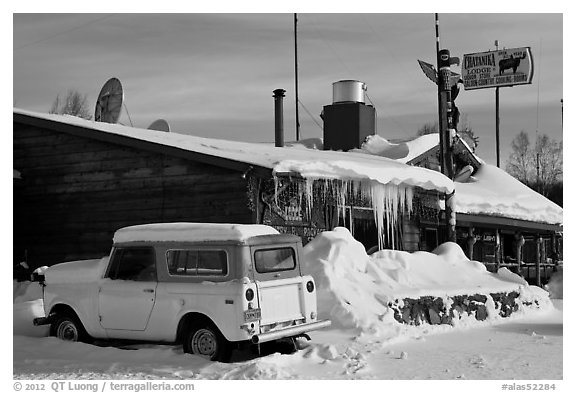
[109, 103]
[160, 125]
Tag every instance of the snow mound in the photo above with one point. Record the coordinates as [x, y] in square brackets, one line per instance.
[28, 304]
[354, 289]
[555, 286]
[25, 291]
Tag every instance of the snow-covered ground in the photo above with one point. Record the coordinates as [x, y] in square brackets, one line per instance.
[365, 342]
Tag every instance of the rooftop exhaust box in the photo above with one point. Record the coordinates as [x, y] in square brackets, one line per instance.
[348, 121]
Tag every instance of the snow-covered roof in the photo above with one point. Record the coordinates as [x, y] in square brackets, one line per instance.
[186, 231]
[403, 152]
[491, 191]
[309, 163]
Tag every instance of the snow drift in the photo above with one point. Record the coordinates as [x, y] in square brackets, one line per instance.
[355, 290]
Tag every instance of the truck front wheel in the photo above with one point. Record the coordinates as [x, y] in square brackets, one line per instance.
[68, 328]
[206, 341]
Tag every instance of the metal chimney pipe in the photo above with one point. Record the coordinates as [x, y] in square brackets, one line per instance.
[279, 117]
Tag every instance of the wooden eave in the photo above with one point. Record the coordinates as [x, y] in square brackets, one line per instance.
[122, 140]
[477, 220]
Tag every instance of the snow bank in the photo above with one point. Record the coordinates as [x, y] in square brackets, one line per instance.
[555, 285]
[185, 231]
[354, 289]
[27, 305]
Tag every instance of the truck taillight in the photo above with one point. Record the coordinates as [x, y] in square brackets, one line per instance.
[249, 294]
[310, 286]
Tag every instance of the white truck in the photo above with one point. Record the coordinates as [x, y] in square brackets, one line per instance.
[207, 286]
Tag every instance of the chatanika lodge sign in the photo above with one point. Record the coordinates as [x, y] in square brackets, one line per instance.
[503, 67]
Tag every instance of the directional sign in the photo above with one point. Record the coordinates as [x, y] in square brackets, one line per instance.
[504, 67]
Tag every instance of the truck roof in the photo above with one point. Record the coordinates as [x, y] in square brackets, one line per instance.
[187, 231]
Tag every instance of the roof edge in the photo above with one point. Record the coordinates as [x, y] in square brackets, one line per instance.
[123, 140]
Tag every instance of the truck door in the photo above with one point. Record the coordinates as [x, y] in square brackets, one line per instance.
[127, 297]
[279, 284]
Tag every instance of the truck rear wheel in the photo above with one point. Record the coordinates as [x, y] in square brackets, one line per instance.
[69, 328]
[206, 341]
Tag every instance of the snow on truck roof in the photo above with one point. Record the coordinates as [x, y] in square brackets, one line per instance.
[185, 231]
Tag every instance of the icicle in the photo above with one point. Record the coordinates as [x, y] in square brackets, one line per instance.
[309, 197]
[276, 181]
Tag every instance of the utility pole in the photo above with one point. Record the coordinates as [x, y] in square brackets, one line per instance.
[497, 120]
[562, 113]
[444, 61]
[296, 73]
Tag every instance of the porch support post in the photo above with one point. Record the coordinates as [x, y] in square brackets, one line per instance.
[519, 245]
[471, 240]
[497, 255]
[539, 253]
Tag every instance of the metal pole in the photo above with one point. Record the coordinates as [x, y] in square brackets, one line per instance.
[498, 127]
[296, 74]
[497, 120]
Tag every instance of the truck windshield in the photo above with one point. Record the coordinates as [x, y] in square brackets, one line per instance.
[275, 260]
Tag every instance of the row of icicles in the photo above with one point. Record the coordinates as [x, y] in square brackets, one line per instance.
[388, 201]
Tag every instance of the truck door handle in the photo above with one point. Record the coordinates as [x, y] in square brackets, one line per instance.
[148, 290]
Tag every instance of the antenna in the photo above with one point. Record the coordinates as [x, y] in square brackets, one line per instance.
[160, 125]
[109, 102]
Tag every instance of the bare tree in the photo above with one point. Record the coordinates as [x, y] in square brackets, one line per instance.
[465, 131]
[74, 104]
[549, 163]
[520, 163]
[540, 167]
[428, 128]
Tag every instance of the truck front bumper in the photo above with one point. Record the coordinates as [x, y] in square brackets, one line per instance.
[42, 321]
[289, 331]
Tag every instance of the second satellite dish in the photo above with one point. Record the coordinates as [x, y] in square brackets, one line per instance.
[109, 103]
[160, 125]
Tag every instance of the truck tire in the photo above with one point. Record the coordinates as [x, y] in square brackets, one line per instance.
[69, 328]
[206, 341]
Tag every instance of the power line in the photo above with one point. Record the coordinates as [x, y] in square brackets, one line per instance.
[350, 72]
[64, 32]
[309, 114]
[331, 48]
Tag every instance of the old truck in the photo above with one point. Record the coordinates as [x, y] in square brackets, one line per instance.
[209, 287]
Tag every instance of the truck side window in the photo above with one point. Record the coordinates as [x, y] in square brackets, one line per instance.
[197, 262]
[134, 264]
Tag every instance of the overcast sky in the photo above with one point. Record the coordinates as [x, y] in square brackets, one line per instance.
[213, 75]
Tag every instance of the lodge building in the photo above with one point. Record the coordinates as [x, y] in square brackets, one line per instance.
[77, 181]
